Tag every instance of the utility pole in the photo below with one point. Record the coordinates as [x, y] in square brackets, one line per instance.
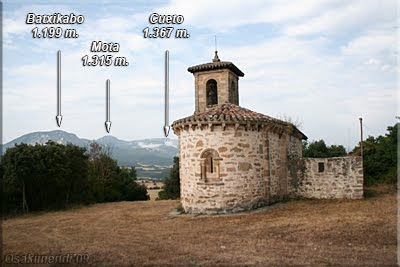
[361, 143]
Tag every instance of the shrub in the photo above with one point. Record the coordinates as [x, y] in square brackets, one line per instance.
[171, 188]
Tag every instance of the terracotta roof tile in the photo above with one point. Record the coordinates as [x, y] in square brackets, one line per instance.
[231, 113]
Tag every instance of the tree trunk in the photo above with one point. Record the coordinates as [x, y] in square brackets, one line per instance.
[24, 204]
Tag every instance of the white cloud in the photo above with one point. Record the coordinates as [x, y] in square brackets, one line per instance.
[295, 17]
[371, 43]
[326, 91]
[328, 63]
[227, 14]
[347, 16]
[14, 21]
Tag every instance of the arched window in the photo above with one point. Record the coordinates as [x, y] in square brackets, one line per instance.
[212, 92]
[209, 162]
[233, 93]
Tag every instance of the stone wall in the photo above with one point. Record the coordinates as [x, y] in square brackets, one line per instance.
[255, 166]
[241, 184]
[282, 153]
[223, 78]
[294, 164]
[340, 177]
[274, 163]
[233, 78]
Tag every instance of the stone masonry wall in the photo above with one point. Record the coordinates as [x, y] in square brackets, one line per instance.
[282, 153]
[257, 167]
[294, 164]
[273, 165]
[342, 177]
[241, 185]
[223, 78]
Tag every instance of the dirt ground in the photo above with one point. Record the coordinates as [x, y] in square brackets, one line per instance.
[302, 232]
[153, 194]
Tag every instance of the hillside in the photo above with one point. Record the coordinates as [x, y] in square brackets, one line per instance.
[152, 157]
[304, 232]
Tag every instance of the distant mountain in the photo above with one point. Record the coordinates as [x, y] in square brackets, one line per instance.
[153, 153]
[58, 136]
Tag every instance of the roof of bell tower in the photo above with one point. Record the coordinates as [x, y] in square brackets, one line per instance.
[215, 65]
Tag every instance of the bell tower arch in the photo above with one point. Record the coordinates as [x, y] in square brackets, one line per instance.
[216, 83]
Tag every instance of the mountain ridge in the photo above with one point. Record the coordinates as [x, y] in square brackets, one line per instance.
[147, 152]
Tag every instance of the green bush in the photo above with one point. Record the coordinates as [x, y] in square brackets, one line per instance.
[318, 149]
[171, 188]
[380, 157]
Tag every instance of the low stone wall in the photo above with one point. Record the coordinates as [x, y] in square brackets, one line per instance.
[339, 177]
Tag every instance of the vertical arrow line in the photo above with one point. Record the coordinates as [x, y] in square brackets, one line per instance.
[108, 100]
[58, 116]
[59, 83]
[166, 100]
[108, 122]
[166, 111]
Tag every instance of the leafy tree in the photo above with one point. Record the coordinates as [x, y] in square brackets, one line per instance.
[318, 149]
[337, 151]
[43, 176]
[110, 183]
[380, 157]
[103, 178]
[171, 189]
[55, 176]
[133, 173]
[129, 188]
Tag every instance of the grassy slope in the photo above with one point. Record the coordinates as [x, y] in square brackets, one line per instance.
[355, 232]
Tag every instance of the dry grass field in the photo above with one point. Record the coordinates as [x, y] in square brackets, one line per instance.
[303, 232]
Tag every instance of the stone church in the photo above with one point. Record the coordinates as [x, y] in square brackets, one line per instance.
[234, 159]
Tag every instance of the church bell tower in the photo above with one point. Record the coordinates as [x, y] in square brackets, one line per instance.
[216, 83]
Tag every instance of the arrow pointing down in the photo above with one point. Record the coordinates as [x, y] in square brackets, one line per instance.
[166, 99]
[59, 116]
[108, 122]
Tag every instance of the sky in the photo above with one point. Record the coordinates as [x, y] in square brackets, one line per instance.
[323, 64]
